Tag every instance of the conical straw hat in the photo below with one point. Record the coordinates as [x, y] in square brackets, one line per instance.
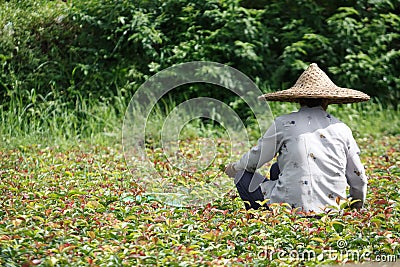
[314, 83]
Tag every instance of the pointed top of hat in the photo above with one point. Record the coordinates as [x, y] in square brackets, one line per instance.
[314, 83]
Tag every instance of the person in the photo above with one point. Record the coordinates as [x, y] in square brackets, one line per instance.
[317, 156]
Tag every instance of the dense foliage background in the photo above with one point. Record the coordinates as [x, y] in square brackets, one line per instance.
[100, 49]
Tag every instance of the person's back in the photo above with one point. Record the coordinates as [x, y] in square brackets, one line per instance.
[313, 151]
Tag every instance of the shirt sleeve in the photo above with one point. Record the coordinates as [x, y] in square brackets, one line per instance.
[265, 150]
[355, 174]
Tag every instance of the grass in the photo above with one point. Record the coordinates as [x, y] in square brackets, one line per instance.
[54, 122]
[48, 120]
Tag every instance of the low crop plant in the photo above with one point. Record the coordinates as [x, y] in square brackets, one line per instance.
[81, 205]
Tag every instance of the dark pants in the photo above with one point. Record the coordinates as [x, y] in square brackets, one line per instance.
[249, 197]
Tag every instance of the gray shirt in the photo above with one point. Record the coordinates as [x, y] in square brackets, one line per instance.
[317, 155]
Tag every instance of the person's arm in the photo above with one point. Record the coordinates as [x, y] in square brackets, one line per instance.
[356, 177]
[263, 152]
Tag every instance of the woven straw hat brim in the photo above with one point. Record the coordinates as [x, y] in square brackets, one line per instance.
[315, 84]
[336, 95]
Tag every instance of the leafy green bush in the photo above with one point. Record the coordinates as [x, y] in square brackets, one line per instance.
[60, 57]
[95, 48]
